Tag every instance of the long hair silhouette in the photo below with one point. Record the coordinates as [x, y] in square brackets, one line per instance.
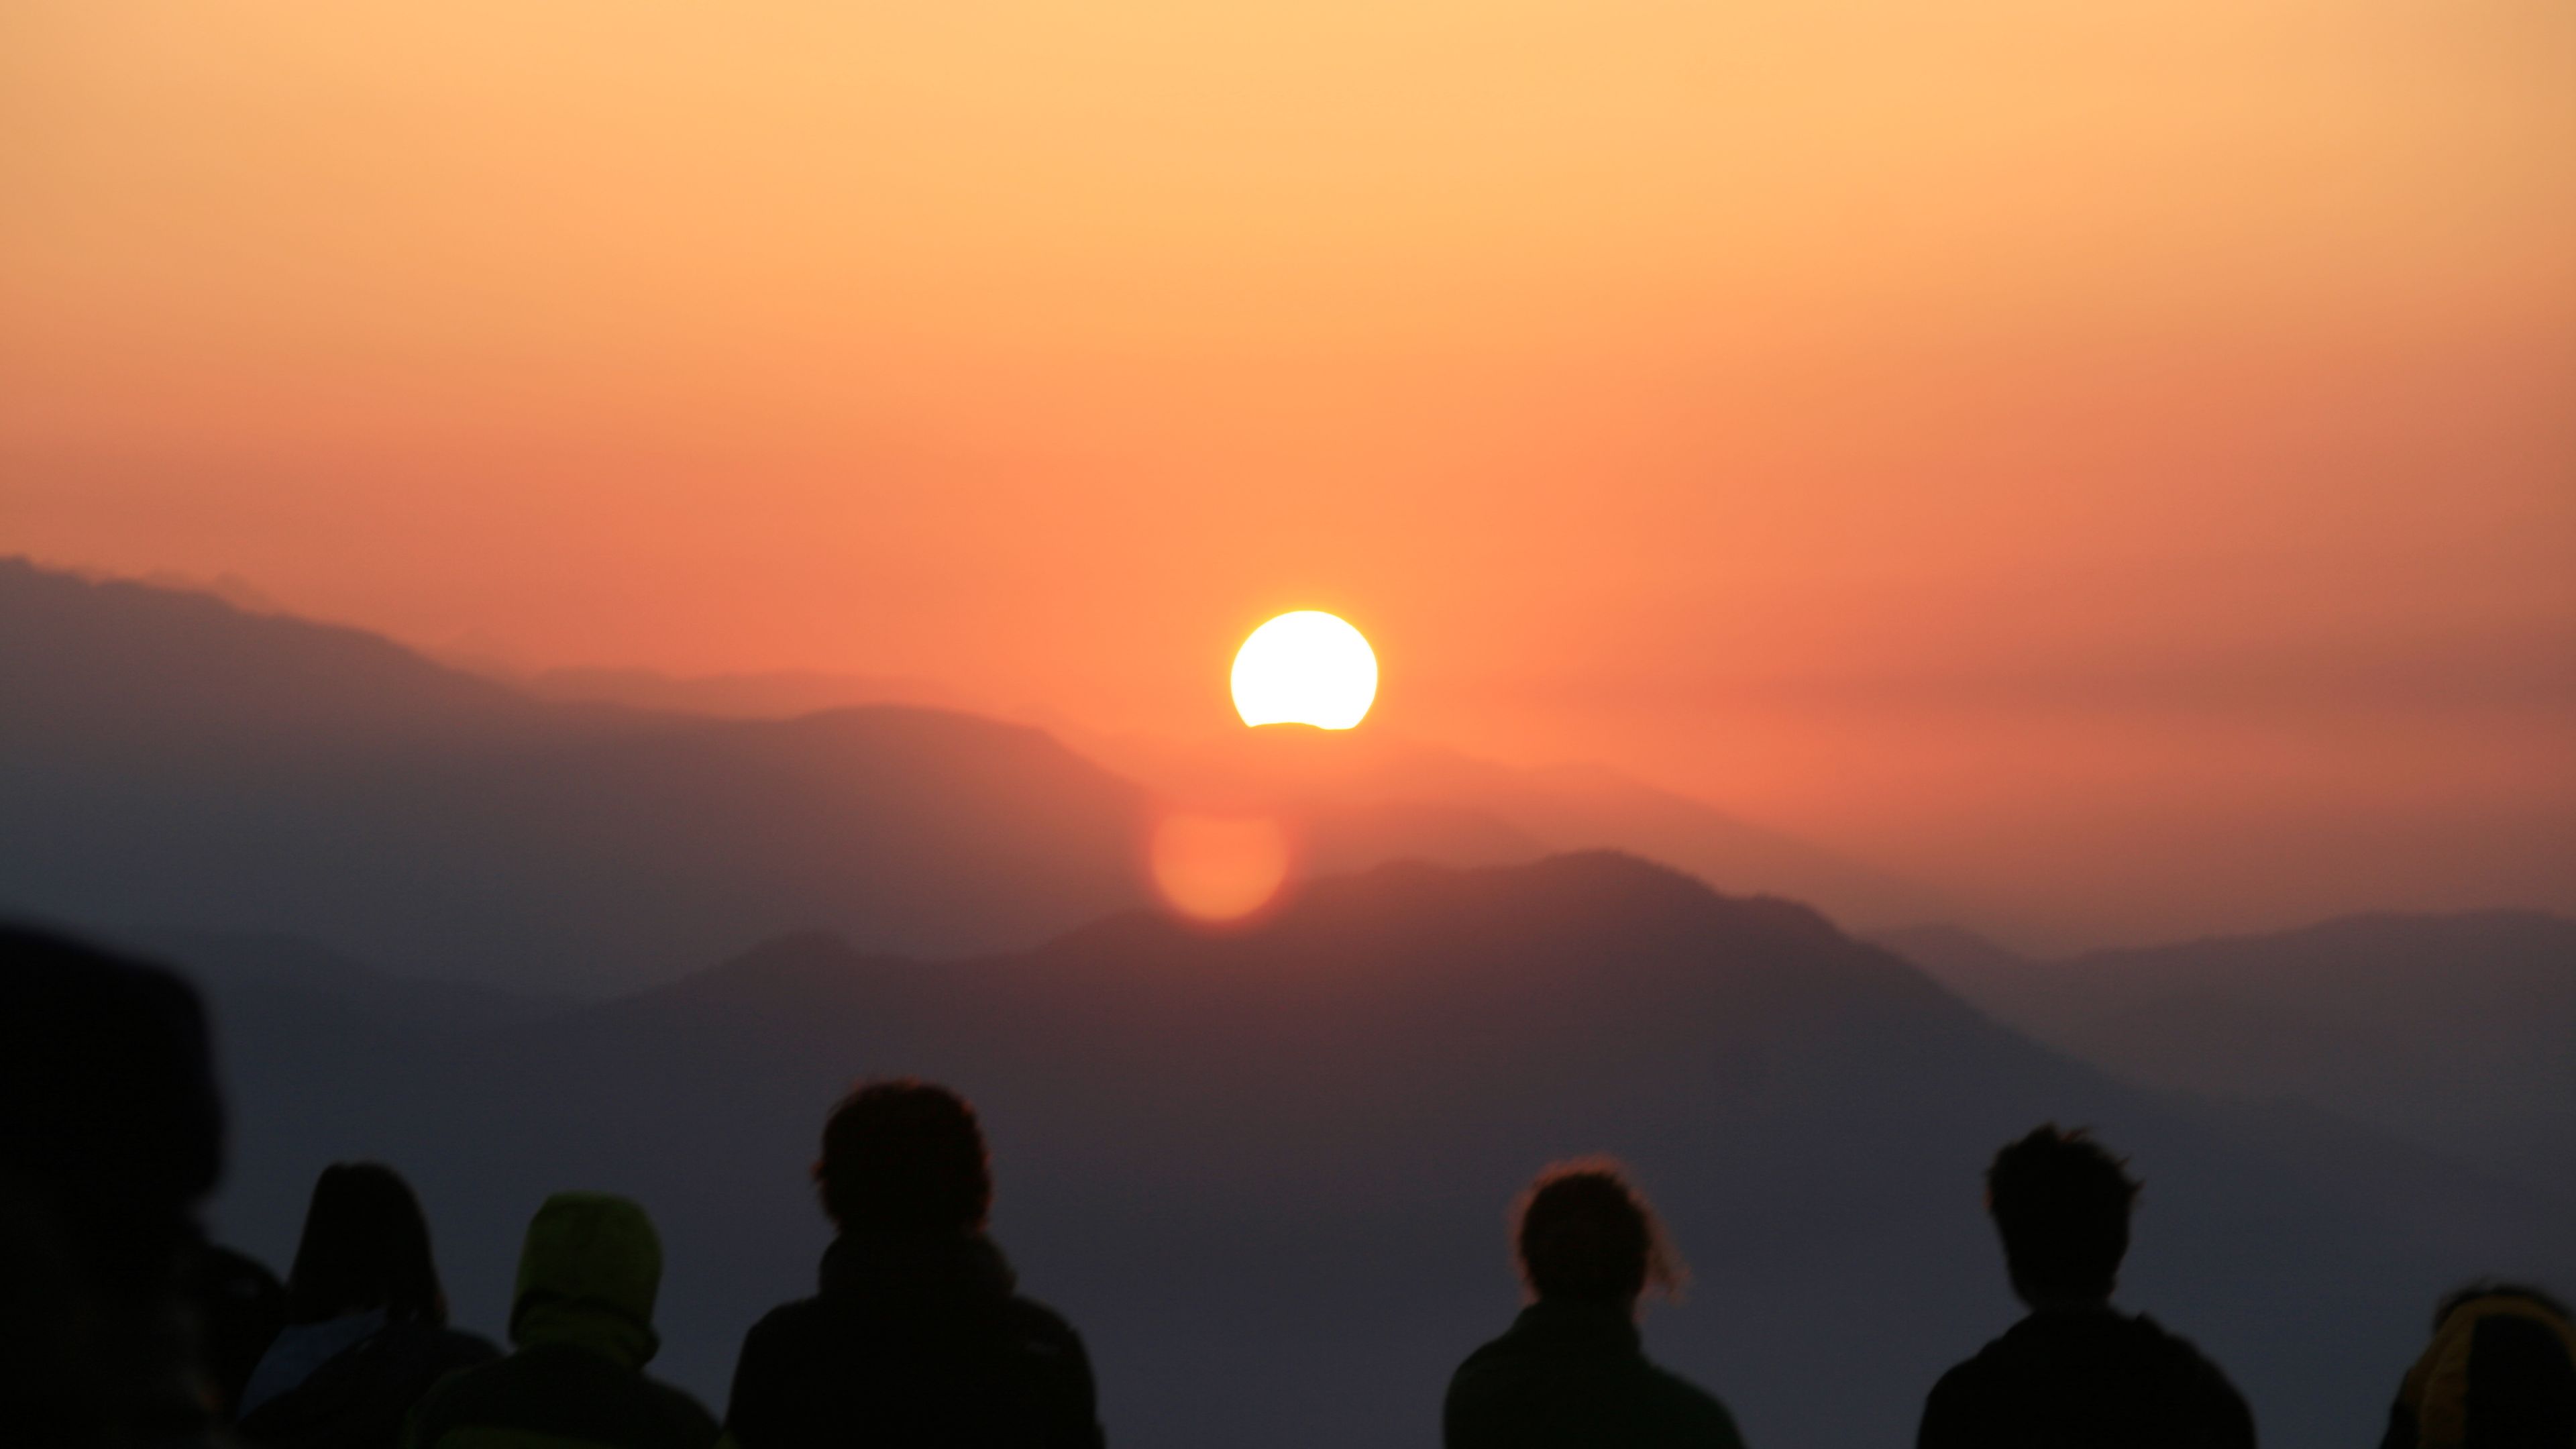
[365, 1245]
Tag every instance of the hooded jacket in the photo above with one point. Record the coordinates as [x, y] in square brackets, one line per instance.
[2091, 1376]
[917, 1341]
[2501, 1371]
[582, 1325]
[1576, 1374]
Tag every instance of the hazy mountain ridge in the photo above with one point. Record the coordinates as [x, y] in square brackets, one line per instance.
[1455, 809]
[1250, 1163]
[170, 763]
[1351, 802]
[230, 966]
[138, 676]
[2456, 1030]
[768, 694]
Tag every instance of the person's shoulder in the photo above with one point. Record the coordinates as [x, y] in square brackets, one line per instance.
[459, 1390]
[794, 1310]
[486, 1379]
[1700, 1415]
[1485, 1381]
[1041, 1328]
[2178, 1354]
[571, 1394]
[2183, 1360]
[1993, 1360]
[1492, 1354]
[788, 1323]
[680, 1408]
[461, 1395]
[432, 1342]
[1970, 1382]
[2170, 1342]
[1049, 1354]
[459, 1349]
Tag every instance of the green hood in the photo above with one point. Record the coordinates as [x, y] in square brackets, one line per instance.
[587, 1276]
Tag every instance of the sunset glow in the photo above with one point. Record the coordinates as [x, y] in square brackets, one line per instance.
[1219, 868]
[1306, 668]
[2108, 463]
[1266, 628]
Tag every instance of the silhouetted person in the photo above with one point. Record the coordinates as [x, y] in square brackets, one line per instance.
[2500, 1374]
[240, 1307]
[110, 1134]
[917, 1337]
[582, 1321]
[1573, 1370]
[366, 1333]
[2077, 1370]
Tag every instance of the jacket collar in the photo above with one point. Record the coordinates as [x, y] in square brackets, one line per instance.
[1598, 1327]
[916, 1267]
[620, 1337]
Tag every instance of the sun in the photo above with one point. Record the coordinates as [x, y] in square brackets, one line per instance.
[1305, 668]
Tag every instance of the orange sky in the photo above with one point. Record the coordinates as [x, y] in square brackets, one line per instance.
[2117, 462]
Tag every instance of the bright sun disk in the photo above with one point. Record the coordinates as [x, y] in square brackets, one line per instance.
[1305, 668]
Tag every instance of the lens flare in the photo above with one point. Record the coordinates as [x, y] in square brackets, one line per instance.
[1219, 868]
[1305, 668]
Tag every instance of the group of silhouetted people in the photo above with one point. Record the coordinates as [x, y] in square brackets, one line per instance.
[122, 1327]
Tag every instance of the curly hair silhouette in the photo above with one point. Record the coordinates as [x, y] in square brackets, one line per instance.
[1584, 1233]
[902, 1155]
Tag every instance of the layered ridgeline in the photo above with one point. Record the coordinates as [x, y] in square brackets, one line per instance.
[171, 764]
[1267, 1172]
[2457, 1032]
[1370, 796]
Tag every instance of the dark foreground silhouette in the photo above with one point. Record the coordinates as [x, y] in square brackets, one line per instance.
[1573, 1371]
[582, 1323]
[110, 1133]
[240, 1308]
[917, 1337]
[121, 1327]
[2499, 1374]
[2077, 1371]
[366, 1333]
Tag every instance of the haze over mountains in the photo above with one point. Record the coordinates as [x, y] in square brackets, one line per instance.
[2457, 1032]
[768, 694]
[169, 762]
[1350, 794]
[1267, 1172]
[1354, 799]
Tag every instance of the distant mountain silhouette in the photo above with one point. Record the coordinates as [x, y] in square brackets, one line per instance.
[768, 694]
[2456, 1031]
[231, 967]
[170, 763]
[1954, 955]
[1356, 800]
[115, 675]
[1370, 797]
[1267, 1172]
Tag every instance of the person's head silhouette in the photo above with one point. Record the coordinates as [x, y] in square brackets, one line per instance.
[2061, 1203]
[365, 1246]
[905, 1157]
[111, 1133]
[1585, 1235]
[2501, 1370]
